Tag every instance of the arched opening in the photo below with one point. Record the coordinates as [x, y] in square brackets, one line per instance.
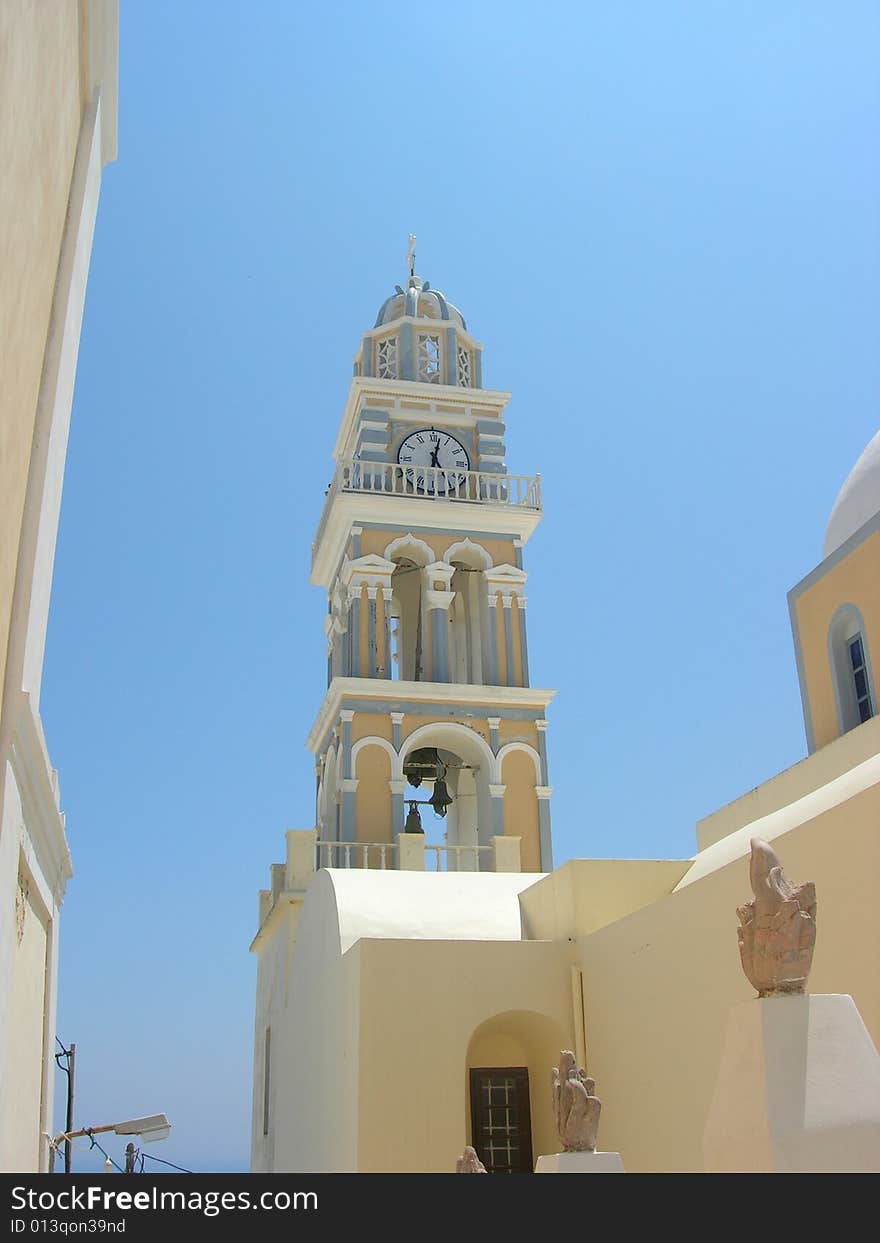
[510, 1115]
[468, 624]
[521, 803]
[373, 795]
[409, 631]
[850, 668]
[328, 812]
[466, 767]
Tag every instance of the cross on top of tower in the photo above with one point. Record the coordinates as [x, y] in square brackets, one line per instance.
[411, 255]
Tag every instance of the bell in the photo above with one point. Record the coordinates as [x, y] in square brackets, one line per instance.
[420, 765]
[441, 798]
[413, 820]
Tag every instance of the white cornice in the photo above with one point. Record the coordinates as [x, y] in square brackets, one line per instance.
[418, 693]
[38, 790]
[412, 390]
[406, 512]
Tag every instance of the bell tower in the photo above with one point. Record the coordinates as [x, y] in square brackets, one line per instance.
[429, 723]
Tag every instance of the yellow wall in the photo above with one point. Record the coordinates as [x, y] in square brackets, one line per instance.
[521, 807]
[502, 552]
[373, 795]
[41, 104]
[367, 724]
[854, 580]
[422, 1003]
[25, 1006]
[658, 984]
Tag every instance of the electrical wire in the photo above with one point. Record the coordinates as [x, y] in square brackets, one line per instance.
[161, 1161]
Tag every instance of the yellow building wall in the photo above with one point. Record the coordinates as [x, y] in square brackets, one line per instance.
[41, 105]
[25, 1009]
[518, 731]
[422, 1003]
[411, 723]
[367, 725]
[854, 580]
[521, 807]
[373, 795]
[373, 541]
[659, 983]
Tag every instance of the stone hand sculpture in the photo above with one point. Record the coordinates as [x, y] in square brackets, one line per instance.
[575, 1106]
[469, 1163]
[778, 928]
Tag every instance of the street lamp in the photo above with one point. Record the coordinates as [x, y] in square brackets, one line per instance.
[150, 1129]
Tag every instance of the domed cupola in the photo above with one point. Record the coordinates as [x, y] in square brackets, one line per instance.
[858, 499]
[420, 336]
[418, 301]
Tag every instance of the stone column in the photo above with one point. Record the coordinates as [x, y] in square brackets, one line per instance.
[496, 828]
[523, 645]
[493, 723]
[492, 645]
[386, 630]
[506, 600]
[398, 818]
[396, 722]
[545, 841]
[347, 784]
[300, 857]
[354, 631]
[438, 603]
[371, 631]
[541, 726]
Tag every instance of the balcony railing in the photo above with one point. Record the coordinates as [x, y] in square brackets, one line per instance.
[431, 483]
[410, 852]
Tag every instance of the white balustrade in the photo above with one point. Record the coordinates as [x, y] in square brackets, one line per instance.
[431, 483]
[437, 857]
[380, 855]
[458, 858]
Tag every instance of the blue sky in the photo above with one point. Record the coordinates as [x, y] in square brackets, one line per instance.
[661, 219]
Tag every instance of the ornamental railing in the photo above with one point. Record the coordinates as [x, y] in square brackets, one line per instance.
[410, 852]
[431, 483]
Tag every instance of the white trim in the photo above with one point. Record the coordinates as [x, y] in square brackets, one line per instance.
[413, 693]
[39, 527]
[38, 790]
[408, 540]
[372, 740]
[489, 403]
[405, 512]
[442, 729]
[543, 792]
[521, 746]
[467, 545]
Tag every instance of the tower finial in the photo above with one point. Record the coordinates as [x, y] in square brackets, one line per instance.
[411, 254]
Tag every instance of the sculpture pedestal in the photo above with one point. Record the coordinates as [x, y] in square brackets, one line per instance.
[580, 1163]
[798, 1090]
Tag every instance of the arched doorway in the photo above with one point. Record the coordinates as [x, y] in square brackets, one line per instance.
[510, 1114]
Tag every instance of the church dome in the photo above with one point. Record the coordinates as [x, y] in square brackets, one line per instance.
[858, 499]
[420, 301]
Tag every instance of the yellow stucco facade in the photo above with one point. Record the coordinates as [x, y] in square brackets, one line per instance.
[57, 131]
[853, 580]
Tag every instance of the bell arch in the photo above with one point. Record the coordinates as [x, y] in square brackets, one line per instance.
[470, 773]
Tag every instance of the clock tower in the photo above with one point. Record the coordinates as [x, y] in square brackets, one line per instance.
[429, 727]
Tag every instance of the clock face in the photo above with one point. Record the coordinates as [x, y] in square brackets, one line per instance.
[433, 461]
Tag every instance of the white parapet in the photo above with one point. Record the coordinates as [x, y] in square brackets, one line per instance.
[506, 854]
[411, 852]
[580, 1163]
[798, 1090]
[300, 857]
